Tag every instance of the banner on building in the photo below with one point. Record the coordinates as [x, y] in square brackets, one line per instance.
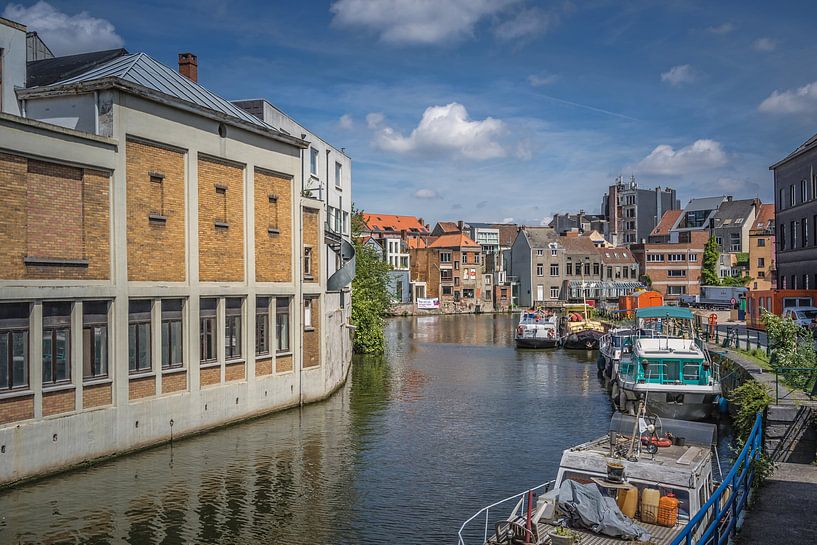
[428, 303]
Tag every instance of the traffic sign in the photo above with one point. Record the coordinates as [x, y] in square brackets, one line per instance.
[733, 301]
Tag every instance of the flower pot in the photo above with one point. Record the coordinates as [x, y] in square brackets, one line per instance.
[556, 539]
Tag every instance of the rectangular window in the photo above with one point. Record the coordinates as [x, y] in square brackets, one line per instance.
[307, 313]
[554, 269]
[540, 269]
[553, 252]
[676, 290]
[262, 326]
[14, 345]
[94, 339]
[554, 293]
[791, 197]
[793, 235]
[445, 257]
[782, 203]
[307, 262]
[569, 267]
[139, 336]
[56, 342]
[172, 342]
[587, 269]
[456, 280]
[761, 242]
[782, 237]
[761, 262]
[464, 258]
[693, 257]
[540, 253]
[540, 292]
[626, 272]
[734, 242]
[446, 275]
[282, 324]
[675, 273]
[207, 330]
[609, 271]
[456, 265]
[655, 258]
[338, 174]
[804, 229]
[675, 257]
[221, 193]
[313, 161]
[232, 328]
[447, 290]
[272, 228]
[157, 197]
[803, 190]
[596, 269]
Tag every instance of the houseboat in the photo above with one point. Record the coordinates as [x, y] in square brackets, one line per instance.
[670, 368]
[614, 345]
[537, 329]
[578, 331]
[633, 484]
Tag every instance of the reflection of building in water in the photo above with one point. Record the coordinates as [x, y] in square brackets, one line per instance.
[282, 479]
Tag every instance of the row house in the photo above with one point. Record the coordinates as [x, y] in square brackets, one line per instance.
[673, 268]
[161, 271]
[553, 269]
[795, 199]
[397, 235]
[450, 264]
[762, 250]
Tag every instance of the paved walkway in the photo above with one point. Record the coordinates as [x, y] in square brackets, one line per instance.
[784, 509]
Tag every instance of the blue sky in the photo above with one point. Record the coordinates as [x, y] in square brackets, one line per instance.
[497, 110]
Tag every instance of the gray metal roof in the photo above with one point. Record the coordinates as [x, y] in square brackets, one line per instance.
[733, 210]
[142, 69]
[705, 203]
[540, 237]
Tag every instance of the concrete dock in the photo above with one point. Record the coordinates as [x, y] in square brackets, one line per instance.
[784, 508]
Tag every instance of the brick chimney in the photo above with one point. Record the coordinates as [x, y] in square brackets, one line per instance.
[189, 66]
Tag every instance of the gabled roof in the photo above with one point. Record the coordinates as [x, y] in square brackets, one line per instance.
[765, 218]
[507, 233]
[667, 222]
[809, 144]
[453, 240]
[540, 237]
[447, 227]
[394, 223]
[48, 71]
[733, 213]
[143, 70]
[580, 244]
[613, 256]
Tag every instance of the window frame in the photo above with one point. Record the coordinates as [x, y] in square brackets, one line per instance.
[208, 325]
[167, 319]
[233, 329]
[9, 328]
[92, 324]
[52, 330]
[307, 264]
[262, 316]
[137, 325]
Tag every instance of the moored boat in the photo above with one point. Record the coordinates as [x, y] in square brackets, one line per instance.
[580, 332]
[669, 368]
[614, 345]
[537, 329]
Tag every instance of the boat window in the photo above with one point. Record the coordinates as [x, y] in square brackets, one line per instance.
[672, 371]
[617, 342]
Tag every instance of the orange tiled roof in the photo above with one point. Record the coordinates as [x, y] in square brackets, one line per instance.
[667, 221]
[765, 216]
[394, 222]
[415, 243]
[448, 226]
[453, 240]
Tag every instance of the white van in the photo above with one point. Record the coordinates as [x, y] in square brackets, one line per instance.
[804, 316]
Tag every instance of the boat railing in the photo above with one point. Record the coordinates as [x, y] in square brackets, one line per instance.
[482, 517]
[721, 516]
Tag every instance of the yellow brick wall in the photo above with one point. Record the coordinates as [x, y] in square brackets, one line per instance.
[53, 211]
[312, 337]
[141, 387]
[283, 364]
[221, 250]
[156, 250]
[311, 237]
[174, 382]
[210, 376]
[16, 408]
[273, 251]
[62, 401]
[234, 371]
[97, 395]
[263, 367]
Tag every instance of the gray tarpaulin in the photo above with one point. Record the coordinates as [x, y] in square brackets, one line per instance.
[588, 508]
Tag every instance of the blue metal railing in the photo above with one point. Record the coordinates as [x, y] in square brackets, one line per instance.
[720, 516]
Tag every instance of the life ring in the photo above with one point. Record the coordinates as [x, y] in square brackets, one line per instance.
[657, 441]
[551, 333]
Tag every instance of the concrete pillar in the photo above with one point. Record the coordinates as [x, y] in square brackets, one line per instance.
[156, 342]
[35, 339]
[76, 352]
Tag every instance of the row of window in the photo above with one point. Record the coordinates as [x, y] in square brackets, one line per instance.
[660, 258]
[445, 257]
[807, 192]
[57, 336]
[798, 234]
[803, 282]
[466, 293]
[314, 154]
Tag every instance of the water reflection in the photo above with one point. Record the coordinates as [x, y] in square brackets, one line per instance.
[450, 420]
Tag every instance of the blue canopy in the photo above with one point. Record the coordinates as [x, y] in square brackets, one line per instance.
[664, 312]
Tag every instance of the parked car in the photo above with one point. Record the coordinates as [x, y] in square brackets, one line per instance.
[804, 316]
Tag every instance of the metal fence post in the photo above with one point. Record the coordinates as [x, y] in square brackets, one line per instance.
[747, 339]
[776, 388]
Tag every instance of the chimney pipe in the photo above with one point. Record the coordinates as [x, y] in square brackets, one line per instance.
[459, 225]
[189, 66]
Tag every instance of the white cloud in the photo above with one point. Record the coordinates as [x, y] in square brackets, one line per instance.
[793, 101]
[448, 130]
[542, 80]
[346, 122]
[66, 34]
[526, 23]
[415, 21]
[678, 74]
[374, 119]
[506, 220]
[725, 28]
[667, 161]
[764, 44]
[426, 193]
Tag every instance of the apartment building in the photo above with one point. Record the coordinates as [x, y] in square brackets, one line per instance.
[161, 271]
[397, 235]
[795, 191]
[632, 213]
[450, 266]
[761, 250]
[673, 268]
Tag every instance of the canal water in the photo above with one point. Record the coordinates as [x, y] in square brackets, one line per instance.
[451, 419]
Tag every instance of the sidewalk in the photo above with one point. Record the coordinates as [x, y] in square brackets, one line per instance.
[784, 508]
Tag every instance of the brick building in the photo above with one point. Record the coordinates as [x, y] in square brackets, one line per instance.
[673, 268]
[450, 266]
[762, 251]
[161, 271]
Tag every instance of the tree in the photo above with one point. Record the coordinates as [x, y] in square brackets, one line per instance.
[792, 345]
[371, 299]
[709, 270]
[736, 282]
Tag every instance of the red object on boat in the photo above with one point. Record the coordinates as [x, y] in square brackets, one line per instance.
[657, 441]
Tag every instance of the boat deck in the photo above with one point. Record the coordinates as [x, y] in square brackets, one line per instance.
[659, 535]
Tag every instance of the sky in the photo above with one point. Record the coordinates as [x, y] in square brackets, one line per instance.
[496, 110]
